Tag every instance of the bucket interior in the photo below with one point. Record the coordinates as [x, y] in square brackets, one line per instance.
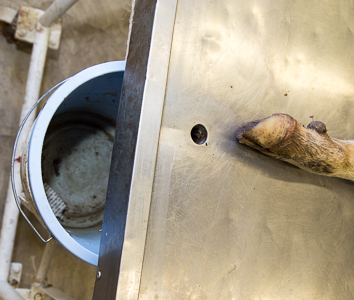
[75, 160]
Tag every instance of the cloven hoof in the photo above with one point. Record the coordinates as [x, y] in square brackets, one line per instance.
[311, 149]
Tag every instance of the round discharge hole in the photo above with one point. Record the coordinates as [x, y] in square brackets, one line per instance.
[199, 134]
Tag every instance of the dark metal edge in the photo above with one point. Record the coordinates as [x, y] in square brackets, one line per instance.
[120, 177]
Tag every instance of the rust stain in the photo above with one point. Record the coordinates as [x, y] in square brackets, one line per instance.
[56, 165]
[18, 159]
[110, 94]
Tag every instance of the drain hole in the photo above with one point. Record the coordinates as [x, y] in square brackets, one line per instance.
[199, 134]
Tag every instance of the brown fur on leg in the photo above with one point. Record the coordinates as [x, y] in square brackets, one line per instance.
[282, 137]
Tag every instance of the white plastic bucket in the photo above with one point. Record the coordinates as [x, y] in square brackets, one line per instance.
[65, 165]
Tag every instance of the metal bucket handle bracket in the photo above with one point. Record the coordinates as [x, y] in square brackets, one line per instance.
[16, 196]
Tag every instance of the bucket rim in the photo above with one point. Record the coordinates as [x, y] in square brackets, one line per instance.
[35, 146]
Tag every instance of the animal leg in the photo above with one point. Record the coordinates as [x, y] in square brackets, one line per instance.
[282, 137]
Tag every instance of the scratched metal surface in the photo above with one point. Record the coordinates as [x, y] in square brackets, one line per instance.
[227, 222]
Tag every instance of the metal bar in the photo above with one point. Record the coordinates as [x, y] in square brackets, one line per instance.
[33, 84]
[7, 14]
[146, 151]
[11, 213]
[122, 163]
[45, 261]
[55, 11]
[8, 292]
[52, 292]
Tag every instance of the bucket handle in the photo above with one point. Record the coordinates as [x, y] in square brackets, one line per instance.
[14, 189]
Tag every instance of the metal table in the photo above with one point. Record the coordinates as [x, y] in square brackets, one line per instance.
[218, 220]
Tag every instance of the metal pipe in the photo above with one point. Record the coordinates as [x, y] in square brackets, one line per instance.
[7, 240]
[7, 14]
[41, 275]
[11, 212]
[8, 292]
[8, 232]
[55, 11]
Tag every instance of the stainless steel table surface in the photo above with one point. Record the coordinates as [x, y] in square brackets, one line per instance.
[219, 220]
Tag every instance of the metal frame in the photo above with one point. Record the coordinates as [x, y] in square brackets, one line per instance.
[34, 79]
[122, 164]
[226, 222]
[146, 151]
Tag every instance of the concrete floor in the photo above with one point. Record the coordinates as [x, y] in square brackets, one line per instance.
[93, 32]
